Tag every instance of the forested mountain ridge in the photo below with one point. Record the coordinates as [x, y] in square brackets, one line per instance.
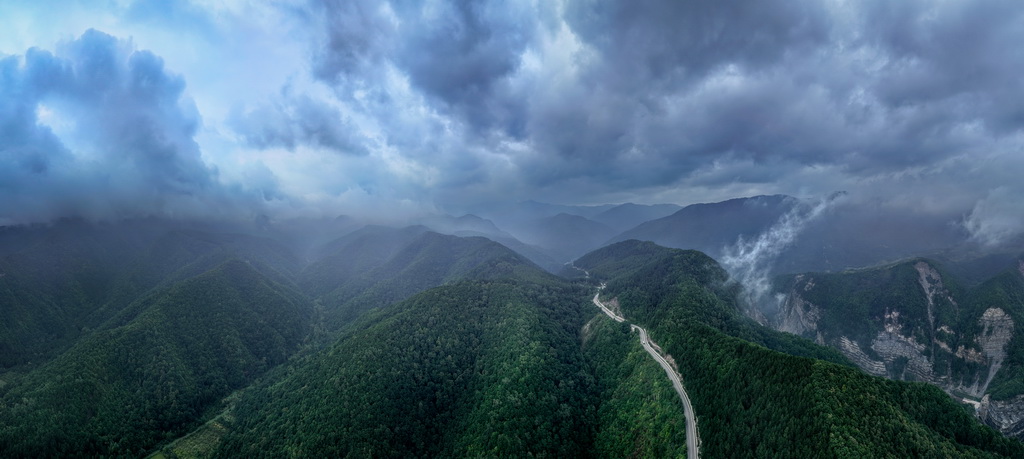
[58, 283]
[153, 369]
[475, 368]
[710, 227]
[752, 401]
[487, 367]
[123, 345]
[394, 264]
[914, 321]
[842, 235]
[405, 342]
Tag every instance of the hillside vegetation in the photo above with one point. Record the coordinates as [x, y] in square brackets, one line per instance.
[753, 401]
[198, 341]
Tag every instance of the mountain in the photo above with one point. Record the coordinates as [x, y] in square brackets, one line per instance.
[377, 266]
[61, 281]
[472, 225]
[756, 401]
[489, 367]
[447, 224]
[199, 339]
[855, 235]
[845, 235]
[531, 210]
[625, 216]
[353, 255]
[151, 371]
[476, 368]
[710, 228]
[526, 366]
[914, 321]
[567, 236]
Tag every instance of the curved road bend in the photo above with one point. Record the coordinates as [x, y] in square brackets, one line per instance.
[692, 441]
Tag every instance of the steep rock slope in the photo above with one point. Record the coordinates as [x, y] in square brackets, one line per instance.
[911, 321]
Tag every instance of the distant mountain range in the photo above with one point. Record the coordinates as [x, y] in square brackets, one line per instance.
[844, 236]
[459, 336]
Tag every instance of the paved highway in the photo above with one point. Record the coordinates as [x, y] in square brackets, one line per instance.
[692, 440]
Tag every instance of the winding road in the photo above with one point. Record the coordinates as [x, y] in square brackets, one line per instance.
[692, 440]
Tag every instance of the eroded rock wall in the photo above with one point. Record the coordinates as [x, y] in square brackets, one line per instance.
[961, 362]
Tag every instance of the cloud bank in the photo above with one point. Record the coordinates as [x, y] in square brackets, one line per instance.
[450, 105]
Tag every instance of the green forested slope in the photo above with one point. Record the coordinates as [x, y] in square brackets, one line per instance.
[59, 285]
[658, 285]
[421, 261]
[476, 368]
[153, 372]
[440, 347]
[639, 413]
[752, 401]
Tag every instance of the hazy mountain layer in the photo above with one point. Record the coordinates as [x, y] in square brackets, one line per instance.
[844, 235]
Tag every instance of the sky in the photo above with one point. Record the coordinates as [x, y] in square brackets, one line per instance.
[122, 108]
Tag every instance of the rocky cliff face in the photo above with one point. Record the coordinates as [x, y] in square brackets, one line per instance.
[1007, 415]
[797, 315]
[996, 332]
[939, 343]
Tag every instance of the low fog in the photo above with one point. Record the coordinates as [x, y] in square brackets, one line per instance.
[289, 115]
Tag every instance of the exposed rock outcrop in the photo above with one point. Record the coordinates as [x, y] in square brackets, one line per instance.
[892, 346]
[853, 352]
[931, 283]
[996, 331]
[1005, 415]
[932, 345]
[798, 316]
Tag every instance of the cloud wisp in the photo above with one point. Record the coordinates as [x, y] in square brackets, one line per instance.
[749, 262]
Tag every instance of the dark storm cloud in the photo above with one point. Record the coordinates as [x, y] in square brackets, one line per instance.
[459, 54]
[612, 99]
[462, 52]
[126, 145]
[653, 46]
[353, 37]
